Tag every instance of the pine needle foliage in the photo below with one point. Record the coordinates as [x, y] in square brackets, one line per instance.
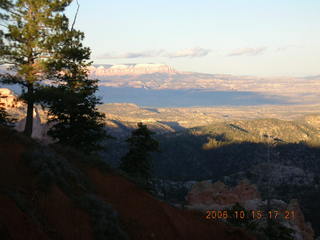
[32, 31]
[137, 162]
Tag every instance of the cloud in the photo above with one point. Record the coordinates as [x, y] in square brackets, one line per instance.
[287, 47]
[129, 55]
[191, 53]
[282, 49]
[186, 53]
[247, 52]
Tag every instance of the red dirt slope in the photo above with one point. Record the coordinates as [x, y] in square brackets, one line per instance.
[147, 218]
[14, 224]
[57, 217]
[53, 215]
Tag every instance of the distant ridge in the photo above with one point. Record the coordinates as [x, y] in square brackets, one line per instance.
[154, 76]
[130, 69]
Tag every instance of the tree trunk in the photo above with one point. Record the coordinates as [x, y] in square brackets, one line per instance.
[29, 119]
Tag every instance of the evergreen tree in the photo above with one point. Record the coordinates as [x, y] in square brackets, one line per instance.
[275, 231]
[5, 5]
[34, 28]
[137, 163]
[72, 102]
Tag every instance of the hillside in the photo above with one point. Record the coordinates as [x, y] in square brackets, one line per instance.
[56, 193]
[121, 118]
[236, 145]
[220, 144]
[285, 151]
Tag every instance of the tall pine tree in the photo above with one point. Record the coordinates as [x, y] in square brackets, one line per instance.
[33, 30]
[72, 102]
[137, 162]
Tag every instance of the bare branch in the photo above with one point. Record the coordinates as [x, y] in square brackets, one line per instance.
[75, 17]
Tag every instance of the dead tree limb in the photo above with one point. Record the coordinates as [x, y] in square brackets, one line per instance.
[75, 17]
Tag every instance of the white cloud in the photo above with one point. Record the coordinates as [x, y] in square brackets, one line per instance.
[287, 47]
[129, 55]
[186, 53]
[247, 52]
[191, 52]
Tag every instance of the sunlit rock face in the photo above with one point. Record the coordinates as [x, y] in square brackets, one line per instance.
[17, 109]
[304, 230]
[207, 193]
[8, 99]
[130, 69]
[217, 196]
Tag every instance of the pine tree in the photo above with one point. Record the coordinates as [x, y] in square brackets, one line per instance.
[34, 28]
[137, 162]
[5, 120]
[72, 102]
[5, 5]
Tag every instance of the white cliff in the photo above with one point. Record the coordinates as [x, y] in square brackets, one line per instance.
[130, 69]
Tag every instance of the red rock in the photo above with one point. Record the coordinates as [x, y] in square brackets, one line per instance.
[208, 193]
[305, 228]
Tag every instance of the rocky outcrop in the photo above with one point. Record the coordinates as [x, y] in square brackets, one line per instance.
[8, 99]
[207, 193]
[304, 229]
[130, 69]
[17, 108]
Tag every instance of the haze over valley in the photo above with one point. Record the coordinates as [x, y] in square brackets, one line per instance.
[160, 85]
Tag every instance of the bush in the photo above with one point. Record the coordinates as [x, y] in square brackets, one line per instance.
[51, 169]
[105, 219]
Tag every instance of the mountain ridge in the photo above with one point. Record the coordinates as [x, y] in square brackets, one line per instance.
[130, 69]
[165, 77]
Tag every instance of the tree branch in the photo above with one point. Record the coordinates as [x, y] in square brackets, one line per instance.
[75, 17]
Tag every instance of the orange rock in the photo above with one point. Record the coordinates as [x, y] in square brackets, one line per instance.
[208, 193]
[305, 228]
[8, 99]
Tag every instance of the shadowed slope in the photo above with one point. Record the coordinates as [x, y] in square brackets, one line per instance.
[30, 212]
[147, 218]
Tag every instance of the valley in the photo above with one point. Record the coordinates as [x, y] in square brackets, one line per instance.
[227, 134]
[177, 119]
[159, 120]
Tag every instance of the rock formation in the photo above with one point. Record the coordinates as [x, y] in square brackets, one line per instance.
[207, 193]
[130, 69]
[305, 230]
[17, 109]
[8, 99]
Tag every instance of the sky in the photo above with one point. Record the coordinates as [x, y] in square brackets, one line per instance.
[240, 37]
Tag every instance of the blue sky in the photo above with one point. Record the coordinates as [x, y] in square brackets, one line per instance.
[242, 37]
